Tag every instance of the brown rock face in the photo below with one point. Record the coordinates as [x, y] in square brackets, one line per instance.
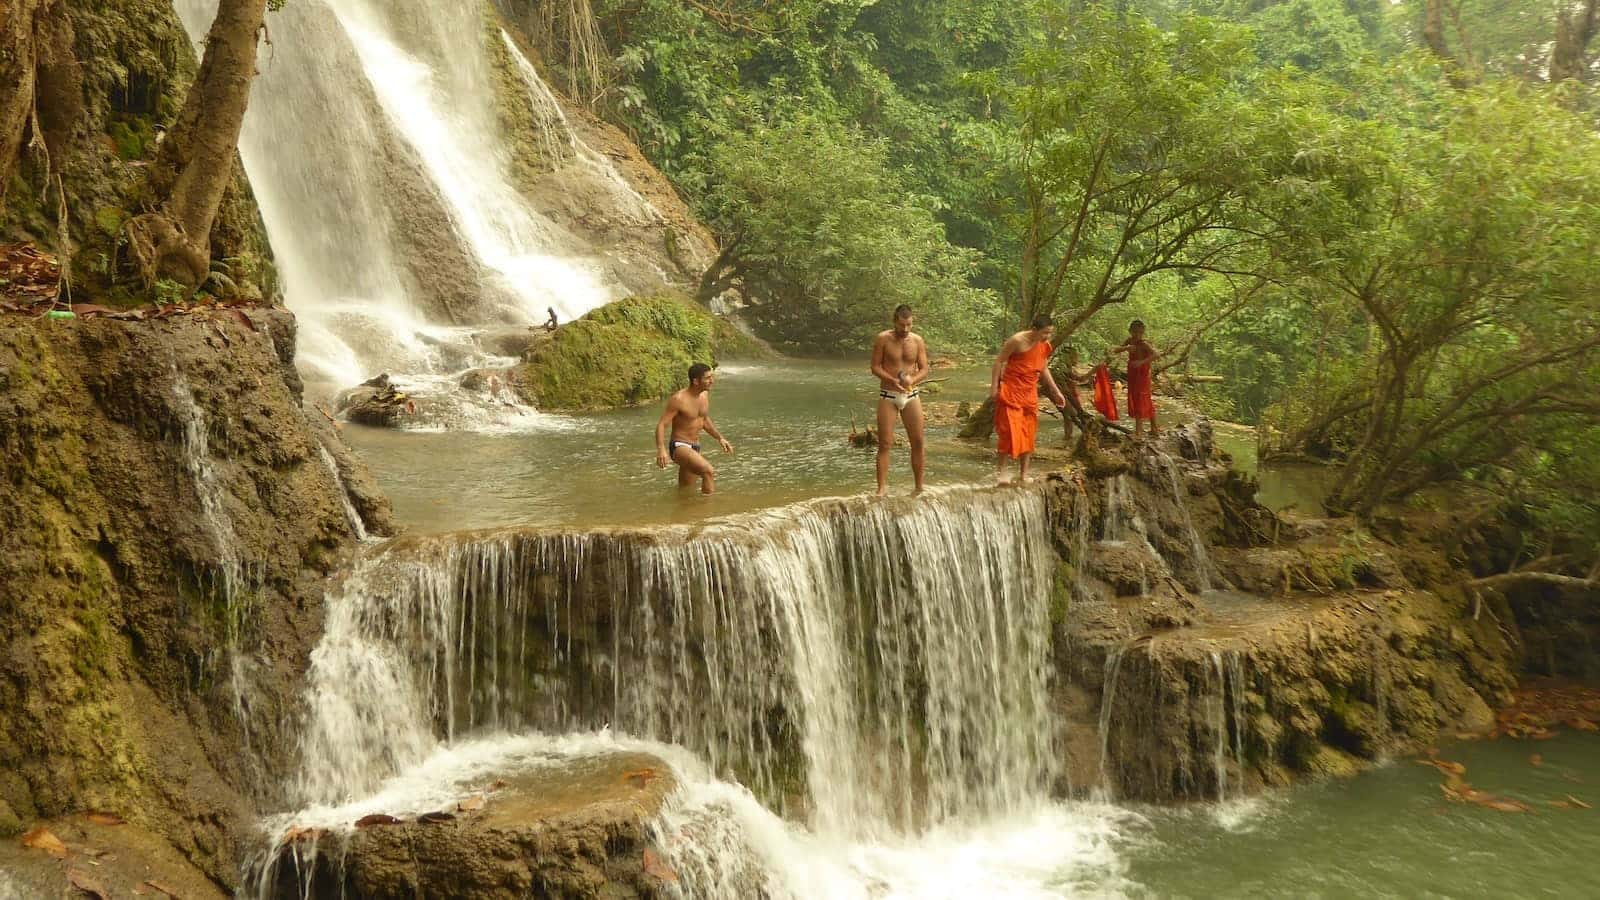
[577, 828]
[167, 515]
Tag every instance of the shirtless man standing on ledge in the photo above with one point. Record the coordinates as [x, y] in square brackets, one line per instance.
[688, 413]
[900, 360]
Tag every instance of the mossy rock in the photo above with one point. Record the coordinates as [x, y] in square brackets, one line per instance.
[625, 353]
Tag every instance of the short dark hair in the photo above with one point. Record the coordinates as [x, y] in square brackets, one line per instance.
[1041, 321]
[698, 371]
[1136, 324]
[903, 311]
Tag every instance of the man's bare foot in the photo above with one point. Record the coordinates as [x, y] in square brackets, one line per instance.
[883, 491]
[918, 492]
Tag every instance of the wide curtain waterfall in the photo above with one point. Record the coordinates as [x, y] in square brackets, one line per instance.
[374, 152]
[869, 670]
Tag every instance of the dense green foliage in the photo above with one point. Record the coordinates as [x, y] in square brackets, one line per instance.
[1376, 220]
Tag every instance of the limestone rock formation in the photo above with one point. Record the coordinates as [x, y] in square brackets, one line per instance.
[578, 828]
[168, 514]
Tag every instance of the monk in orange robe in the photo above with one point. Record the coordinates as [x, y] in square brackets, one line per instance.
[1141, 405]
[1014, 388]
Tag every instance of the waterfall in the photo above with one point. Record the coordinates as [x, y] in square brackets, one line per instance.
[1197, 546]
[357, 525]
[364, 120]
[226, 580]
[885, 669]
[1108, 697]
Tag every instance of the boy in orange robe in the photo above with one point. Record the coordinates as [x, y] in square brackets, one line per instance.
[1141, 406]
[1014, 388]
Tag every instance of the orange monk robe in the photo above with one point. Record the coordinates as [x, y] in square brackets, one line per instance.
[1016, 410]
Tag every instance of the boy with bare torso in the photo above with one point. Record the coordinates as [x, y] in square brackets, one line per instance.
[900, 360]
[688, 413]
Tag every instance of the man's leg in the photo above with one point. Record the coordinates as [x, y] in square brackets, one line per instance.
[1152, 419]
[1000, 460]
[696, 465]
[885, 442]
[912, 416]
[1022, 467]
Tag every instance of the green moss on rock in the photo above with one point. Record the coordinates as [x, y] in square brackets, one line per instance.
[624, 353]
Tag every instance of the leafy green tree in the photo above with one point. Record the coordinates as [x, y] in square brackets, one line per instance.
[826, 241]
[1124, 150]
[1469, 242]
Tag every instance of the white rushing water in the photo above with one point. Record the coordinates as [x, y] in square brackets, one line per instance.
[855, 695]
[359, 109]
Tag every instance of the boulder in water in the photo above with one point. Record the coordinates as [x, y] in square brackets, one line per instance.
[377, 403]
[576, 827]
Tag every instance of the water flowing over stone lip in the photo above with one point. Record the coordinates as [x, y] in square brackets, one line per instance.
[740, 524]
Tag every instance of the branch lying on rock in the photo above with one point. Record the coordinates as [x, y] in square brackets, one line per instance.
[1541, 577]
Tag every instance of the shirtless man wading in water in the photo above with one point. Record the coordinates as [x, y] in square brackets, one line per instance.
[900, 360]
[688, 412]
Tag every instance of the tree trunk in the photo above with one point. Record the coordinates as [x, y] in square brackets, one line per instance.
[195, 163]
[1569, 58]
[1433, 29]
[41, 88]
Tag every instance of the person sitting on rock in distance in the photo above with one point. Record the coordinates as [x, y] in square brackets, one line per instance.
[688, 413]
[900, 360]
[1141, 406]
[1014, 388]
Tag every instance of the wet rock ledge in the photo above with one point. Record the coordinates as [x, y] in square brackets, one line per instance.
[577, 828]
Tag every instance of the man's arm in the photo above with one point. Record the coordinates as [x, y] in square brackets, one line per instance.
[923, 369]
[1056, 396]
[665, 422]
[880, 366]
[1006, 351]
[711, 429]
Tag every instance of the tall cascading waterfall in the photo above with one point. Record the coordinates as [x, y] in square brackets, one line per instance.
[365, 117]
[872, 671]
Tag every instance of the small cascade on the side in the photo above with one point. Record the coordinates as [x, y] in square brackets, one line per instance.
[1121, 522]
[357, 524]
[1223, 704]
[1197, 545]
[1108, 699]
[1082, 528]
[561, 144]
[226, 582]
[831, 654]
[1216, 703]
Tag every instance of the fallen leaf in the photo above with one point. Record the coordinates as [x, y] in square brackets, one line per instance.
[1505, 805]
[41, 839]
[469, 804]
[299, 833]
[158, 886]
[434, 818]
[656, 868]
[81, 880]
[1535, 760]
[1578, 803]
[376, 819]
[105, 818]
[640, 778]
